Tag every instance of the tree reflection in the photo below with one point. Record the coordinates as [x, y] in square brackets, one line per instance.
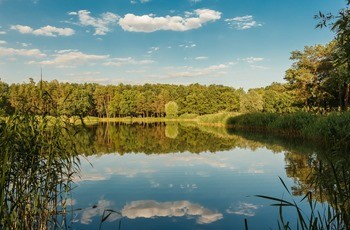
[321, 174]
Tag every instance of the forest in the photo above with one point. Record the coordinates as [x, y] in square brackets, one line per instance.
[317, 81]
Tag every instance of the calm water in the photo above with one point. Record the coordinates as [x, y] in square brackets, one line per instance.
[178, 176]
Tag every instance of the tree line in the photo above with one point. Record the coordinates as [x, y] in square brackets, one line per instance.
[90, 99]
[318, 80]
[159, 100]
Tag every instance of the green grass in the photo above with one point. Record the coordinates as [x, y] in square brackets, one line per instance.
[334, 127]
[215, 119]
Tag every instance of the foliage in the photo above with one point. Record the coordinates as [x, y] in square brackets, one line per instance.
[39, 160]
[219, 118]
[121, 100]
[188, 116]
[333, 128]
[171, 109]
[251, 102]
[340, 25]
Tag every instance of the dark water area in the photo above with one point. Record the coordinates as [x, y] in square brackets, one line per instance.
[172, 176]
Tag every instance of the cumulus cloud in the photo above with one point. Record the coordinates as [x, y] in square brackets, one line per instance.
[2, 42]
[49, 31]
[242, 23]
[71, 58]
[127, 61]
[151, 23]
[151, 209]
[2, 32]
[36, 53]
[102, 24]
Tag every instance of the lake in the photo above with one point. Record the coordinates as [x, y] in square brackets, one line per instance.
[182, 176]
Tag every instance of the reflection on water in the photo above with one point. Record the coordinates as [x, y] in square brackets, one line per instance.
[153, 167]
[153, 178]
[171, 176]
[151, 209]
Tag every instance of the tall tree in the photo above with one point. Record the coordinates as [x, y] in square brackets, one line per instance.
[340, 25]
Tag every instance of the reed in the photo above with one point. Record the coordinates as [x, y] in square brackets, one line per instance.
[39, 158]
[333, 128]
[327, 203]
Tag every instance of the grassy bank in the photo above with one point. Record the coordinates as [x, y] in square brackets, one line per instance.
[219, 119]
[334, 127]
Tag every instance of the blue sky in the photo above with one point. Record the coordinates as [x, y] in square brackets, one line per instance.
[236, 43]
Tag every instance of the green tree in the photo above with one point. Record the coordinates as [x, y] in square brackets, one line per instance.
[340, 25]
[251, 102]
[5, 107]
[309, 74]
[171, 109]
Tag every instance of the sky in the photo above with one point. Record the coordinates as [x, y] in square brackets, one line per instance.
[238, 43]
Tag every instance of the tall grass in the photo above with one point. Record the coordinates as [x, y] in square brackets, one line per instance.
[218, 118]
[327, 204]
[333, 128]
[38, 161]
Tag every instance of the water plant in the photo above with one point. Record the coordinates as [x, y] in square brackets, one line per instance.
[39, 158]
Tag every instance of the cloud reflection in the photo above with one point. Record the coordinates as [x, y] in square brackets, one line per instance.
[97, 210]
[151, 209]
[245, 209]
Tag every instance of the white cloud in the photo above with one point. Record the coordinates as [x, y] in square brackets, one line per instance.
[101, 24]
[141, 1]
[35, 53]
[2, 42]
[24, 44]
[253, 59]
[2, 32]
[71, 58]
[22, 29]
[49, 31]
[189, 45]
[127, 61]
[194, 1]
[152, 209]
[201, 58]
[152, 50]
[242, 23]
[151, 23]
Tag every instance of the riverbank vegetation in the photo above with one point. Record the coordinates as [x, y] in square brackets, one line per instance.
[39, 159]
[332, 128]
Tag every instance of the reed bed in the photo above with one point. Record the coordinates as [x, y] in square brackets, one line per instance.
[333, 128]
[39, 158]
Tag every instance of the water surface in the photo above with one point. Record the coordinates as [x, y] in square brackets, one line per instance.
[179, 176]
